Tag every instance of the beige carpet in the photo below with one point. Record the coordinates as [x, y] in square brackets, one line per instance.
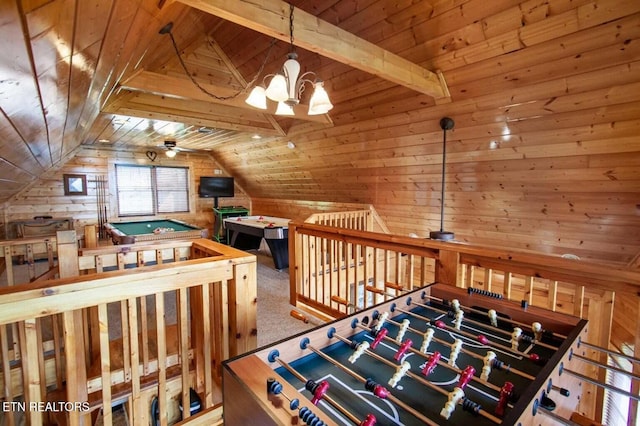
[274, 319]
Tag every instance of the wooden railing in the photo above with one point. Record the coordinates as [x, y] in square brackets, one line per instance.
[363, 220]
[335, 271]
[98, 339]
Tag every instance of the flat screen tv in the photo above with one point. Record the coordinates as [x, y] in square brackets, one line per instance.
[214, 187]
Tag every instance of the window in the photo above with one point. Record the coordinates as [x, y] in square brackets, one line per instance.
[149, 190]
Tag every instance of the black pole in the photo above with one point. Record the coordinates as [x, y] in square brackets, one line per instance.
[446, 123]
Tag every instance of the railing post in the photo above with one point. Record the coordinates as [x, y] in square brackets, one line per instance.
[243, 297]
[447, 267]
[76, 367]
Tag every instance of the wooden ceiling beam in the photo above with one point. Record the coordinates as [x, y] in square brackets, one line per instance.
[271, 17]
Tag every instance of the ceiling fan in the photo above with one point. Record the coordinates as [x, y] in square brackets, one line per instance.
[171, 148]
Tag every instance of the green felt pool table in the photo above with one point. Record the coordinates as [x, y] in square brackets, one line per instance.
[152, 230]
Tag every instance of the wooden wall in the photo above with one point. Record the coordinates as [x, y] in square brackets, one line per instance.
[46, 195]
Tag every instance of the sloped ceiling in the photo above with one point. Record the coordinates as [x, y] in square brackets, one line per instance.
[545, 97]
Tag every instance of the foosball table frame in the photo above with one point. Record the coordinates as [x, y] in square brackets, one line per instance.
[250, 397]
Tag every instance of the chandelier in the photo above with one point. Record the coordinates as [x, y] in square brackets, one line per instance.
[287, 86]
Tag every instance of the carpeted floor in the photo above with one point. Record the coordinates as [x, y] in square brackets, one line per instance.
[274, 319]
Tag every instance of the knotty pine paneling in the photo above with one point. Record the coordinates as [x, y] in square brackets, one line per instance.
[46, 195]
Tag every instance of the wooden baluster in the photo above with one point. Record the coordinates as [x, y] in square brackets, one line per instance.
[105, 363]
[6, 372]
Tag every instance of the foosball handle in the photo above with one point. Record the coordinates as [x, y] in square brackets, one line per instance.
[299, 316]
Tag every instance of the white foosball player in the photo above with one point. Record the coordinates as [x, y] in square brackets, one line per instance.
[454, 397]
[402, 330]
[426, 340]
[363, 346]
[515, 338]
[488, 361]
[401, 371]
[493, 317]
[456, 346]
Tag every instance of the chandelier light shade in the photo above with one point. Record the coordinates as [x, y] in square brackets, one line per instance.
[257, 98]
[284, 109]
[287, 86]
[319, 103]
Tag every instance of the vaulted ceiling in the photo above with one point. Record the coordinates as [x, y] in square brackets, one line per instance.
[545, 96]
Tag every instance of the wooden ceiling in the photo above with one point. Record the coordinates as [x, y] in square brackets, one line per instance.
[545, 96]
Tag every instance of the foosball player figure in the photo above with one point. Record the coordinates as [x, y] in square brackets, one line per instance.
[402, 349]
[360, 348]
[317, 389]
[379, 334]
[454, 397]
[401, 371]
[505, 395]
[431, 363]
[466, 376]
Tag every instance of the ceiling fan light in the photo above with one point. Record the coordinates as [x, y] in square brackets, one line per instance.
[284, 109]
[170, 153]
[319, 102]
[277, 89]
[257, 98]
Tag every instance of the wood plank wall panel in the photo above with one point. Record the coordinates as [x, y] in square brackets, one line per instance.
[546, 98]
[46, 195]
[545, 152]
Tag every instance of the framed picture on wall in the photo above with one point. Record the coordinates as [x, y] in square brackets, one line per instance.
[75, 184]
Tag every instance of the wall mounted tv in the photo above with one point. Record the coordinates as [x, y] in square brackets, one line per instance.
[214, 187]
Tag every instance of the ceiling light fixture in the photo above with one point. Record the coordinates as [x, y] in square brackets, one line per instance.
[170, 145]
[286, 87]
[446, 123]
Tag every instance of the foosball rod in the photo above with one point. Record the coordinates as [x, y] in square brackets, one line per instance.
[358, 377]
[325, 397]
[499, 330]
[608, 351]
[477, 311]
[466, 351]
[605, 366]
[602, 385]
[557, 417]
[420, 379]
[471, 336]
[426, 356]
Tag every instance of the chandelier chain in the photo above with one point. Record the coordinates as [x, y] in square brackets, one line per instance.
[291, 26]
[213, 95]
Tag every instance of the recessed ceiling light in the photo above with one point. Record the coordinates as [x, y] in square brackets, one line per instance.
[104, 141]
[291, 145]
[256, 137]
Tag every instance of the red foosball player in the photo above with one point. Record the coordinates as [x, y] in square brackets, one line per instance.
[317, 389]
[505, 395]
[431, 363]
[466, 375]
[370, 420]
[380, 334]
[402, 349]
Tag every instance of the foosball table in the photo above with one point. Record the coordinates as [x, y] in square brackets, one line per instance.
[438, 355]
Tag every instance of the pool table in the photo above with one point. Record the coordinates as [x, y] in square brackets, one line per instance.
[152, 230]
[246, 233]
